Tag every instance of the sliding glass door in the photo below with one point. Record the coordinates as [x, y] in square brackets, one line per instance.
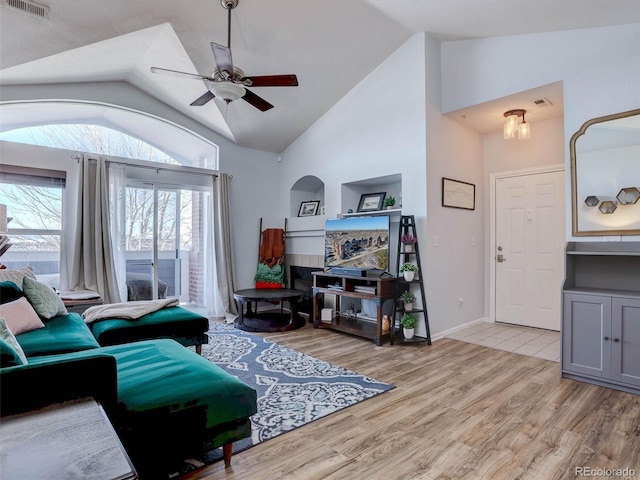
[162, 234]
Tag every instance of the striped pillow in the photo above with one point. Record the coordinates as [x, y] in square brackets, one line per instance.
[45, 301]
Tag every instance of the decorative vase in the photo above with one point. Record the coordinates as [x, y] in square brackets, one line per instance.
[389, 207]
[408, 333]
[408, 306]
[408, 247]
[408, 276]
[386, 323]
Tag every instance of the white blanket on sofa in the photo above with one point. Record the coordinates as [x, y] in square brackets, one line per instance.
[129, 310]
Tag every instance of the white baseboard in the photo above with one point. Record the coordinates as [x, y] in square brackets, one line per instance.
[443, 334]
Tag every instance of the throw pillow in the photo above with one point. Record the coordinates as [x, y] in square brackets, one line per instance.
[11, 352]
[16, 275]
[9, 292]
[20, 316]
[46, 302]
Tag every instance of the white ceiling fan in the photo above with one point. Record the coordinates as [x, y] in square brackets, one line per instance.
[228, 82]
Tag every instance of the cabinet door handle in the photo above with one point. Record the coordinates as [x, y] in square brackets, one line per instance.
[616, 339]
[606, 338]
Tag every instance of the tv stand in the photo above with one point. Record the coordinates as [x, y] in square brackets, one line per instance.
[377, 289]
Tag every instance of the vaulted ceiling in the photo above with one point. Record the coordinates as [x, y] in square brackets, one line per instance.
[331, 45]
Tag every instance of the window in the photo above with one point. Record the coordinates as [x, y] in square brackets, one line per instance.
[34, 200]
[90, 139]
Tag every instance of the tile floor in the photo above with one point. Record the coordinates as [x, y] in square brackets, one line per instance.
[535, 342]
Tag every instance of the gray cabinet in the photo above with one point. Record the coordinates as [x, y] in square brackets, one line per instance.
[586, 322]
[601, 314]
[625, 333]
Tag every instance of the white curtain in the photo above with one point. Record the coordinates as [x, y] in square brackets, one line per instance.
[93, 265]
[117, 177]
[219, 270]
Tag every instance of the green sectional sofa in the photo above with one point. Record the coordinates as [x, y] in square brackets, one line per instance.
[165, 402]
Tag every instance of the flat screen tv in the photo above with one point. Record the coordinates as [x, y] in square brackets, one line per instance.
[357, 242]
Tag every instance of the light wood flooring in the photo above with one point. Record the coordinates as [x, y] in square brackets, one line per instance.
[459, 411]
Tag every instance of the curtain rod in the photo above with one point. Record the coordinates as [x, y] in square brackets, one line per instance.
[177, 168]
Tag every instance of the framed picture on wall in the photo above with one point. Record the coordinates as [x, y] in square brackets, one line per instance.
[457, 194]
[309, 209]
[370, 202]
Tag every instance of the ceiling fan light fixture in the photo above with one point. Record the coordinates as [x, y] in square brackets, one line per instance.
[228, 91]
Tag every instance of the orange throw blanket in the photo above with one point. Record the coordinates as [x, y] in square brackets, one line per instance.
[272, 248]
[270, 273]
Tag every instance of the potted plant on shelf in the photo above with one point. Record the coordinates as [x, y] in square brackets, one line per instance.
[408, 240]
[408, 298]
[408, 270]
[389, 202]
[408, 322]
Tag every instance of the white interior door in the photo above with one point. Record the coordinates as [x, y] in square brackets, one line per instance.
[530, 240]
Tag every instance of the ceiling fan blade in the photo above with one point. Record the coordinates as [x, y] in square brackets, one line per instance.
[258, 102]
[198, 102]
[222, 56]
[273, 80]
[175, 73]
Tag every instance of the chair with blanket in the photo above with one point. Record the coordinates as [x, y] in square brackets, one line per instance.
[140, 287]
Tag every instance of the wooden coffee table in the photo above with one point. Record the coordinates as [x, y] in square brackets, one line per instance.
[272, 320]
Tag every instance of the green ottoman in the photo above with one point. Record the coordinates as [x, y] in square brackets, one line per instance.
[177, 323]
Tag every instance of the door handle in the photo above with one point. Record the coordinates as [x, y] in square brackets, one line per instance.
[500, 258]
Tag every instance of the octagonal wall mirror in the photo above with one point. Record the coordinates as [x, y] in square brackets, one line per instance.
[605, 176]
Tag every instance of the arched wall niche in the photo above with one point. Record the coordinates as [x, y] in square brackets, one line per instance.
[306, 189]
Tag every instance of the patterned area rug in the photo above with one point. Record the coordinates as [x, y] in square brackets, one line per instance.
[293, 388]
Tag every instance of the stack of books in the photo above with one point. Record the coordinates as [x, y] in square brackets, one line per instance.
[337, 287]
[364, 289]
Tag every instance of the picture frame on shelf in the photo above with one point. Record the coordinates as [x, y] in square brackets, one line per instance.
[458, 194]
[309, 209]
[371, 202]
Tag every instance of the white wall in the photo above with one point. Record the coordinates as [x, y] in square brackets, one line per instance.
[254, 195]
[377, 129]
[454, 237]
[545, 147]
[599, 68]
[455, 251]
[600, 72]
[391, 123]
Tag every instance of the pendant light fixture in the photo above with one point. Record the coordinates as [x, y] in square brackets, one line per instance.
[513, 126]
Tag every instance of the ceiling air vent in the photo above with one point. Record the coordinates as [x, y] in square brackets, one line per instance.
[542, 102]
[31, 8]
